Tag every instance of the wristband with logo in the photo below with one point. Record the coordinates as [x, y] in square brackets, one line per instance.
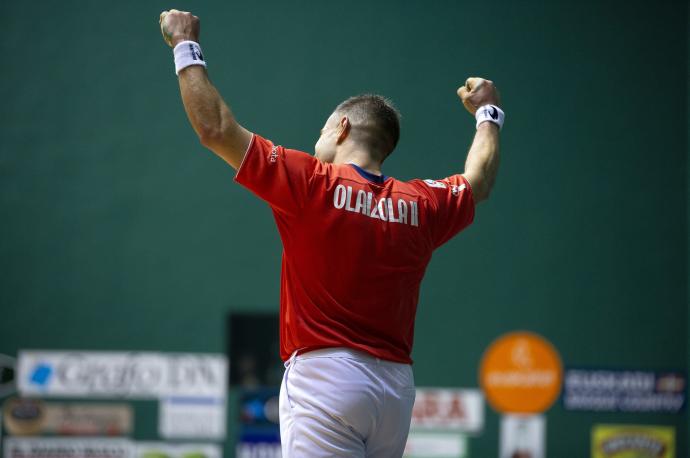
[187, 53]
[490, 113]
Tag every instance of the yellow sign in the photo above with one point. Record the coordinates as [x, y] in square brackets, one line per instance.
[521, 372]
[633, 441]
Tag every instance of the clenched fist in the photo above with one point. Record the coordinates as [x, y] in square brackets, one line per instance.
[177, 26]
[477, 92]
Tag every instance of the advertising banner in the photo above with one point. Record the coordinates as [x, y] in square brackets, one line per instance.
[521, 373]
[624, 391]
[192, 418]
[32, 416]
[15, 447]
[448, 409]
[633, 441]
[165, 450]
[121, 374]
[258, 450]
[259, 429]
[435, 445]
[523, 436]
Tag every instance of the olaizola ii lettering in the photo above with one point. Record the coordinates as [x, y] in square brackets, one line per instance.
[386, 209]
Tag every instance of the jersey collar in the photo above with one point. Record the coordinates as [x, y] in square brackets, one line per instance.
[368, 175]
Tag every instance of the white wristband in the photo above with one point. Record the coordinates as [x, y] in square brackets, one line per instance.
[490, 113]
[187, 53]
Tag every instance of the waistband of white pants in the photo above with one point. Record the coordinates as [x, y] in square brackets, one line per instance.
[341, 352]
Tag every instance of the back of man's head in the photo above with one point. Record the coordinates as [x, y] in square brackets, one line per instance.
[375, 122]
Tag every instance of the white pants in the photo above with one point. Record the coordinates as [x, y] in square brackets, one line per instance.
[339, 402]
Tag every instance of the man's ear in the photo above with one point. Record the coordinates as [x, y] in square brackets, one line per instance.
[343, 129]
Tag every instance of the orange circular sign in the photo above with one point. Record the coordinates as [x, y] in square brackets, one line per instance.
[521, 372]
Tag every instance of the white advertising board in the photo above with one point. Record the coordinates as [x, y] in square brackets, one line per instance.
[192, 418]
[523, 435]
[34, 447]
[435, 445]
[448, 409]
[121, 374]
[20, 447]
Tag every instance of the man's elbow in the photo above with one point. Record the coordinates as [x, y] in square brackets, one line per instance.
[481, 192]
[209, 137]
[481, 186]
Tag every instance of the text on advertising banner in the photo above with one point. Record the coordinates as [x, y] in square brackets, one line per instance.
[121, 374]
[448, 409]
[16, 447]
[604, 390]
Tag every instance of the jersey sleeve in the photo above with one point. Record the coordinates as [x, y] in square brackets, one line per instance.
[280, 176]
[452, 206]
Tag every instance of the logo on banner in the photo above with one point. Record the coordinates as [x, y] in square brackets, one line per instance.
[622, 441]
[41, 374]
[521, 372]
[448, 409]
[120, 374]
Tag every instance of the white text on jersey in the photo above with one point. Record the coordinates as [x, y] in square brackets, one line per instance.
[385, 209]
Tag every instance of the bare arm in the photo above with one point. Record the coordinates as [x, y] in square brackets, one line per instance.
[482, 161]
[208, 113]
[481, 165]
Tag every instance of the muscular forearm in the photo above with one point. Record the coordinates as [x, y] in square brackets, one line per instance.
[211, 117]
[481, 165]
[482, 161]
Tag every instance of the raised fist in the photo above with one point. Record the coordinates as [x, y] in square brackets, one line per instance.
[177, 26]
[477, 92]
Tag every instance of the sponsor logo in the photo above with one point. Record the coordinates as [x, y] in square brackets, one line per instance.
[633, 443]
[493, 112]
[196, 52]
[24, 416]
[618, 441]
[274, 154]
[456, 190]
[670, 383]
[435, 184]
[449, 409]
[41, 374]
[521, 373]
[119, 374]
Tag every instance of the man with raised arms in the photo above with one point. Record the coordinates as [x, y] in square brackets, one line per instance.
[356, 244]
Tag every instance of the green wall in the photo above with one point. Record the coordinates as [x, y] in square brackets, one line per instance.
[119, 231]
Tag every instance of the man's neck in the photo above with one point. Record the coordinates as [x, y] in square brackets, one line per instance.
[359, 158]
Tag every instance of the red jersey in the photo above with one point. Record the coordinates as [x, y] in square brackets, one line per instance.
[355, 247]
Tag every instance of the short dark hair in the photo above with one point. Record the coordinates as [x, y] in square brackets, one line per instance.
[375, 121]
